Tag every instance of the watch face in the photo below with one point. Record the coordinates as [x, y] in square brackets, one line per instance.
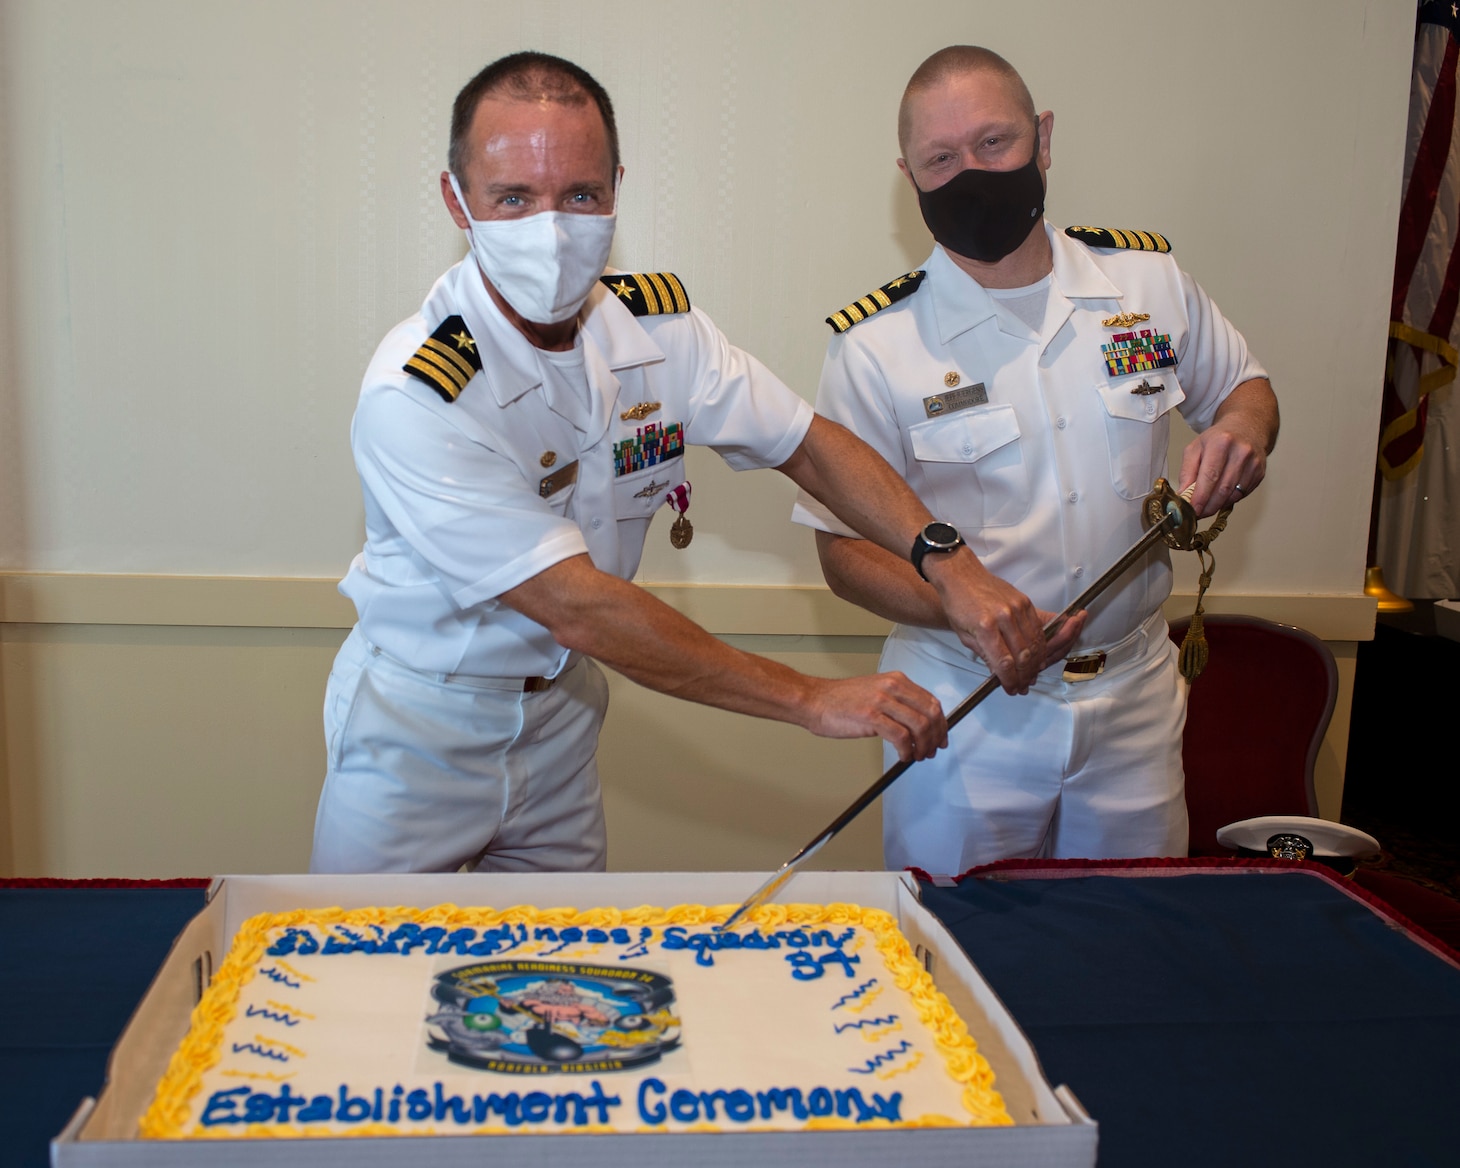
[941, 534]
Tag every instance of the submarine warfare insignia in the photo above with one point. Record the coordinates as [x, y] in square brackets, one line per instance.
[1116, 237]
[562, 477]
[639, 412]
[955, 399]
[875, 301]
[534, 1017]
[1138, 352]
[648, 293]
[447, 360]
[1125, 319]
[683, 531]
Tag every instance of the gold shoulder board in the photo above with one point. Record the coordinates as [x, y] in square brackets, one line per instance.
[648, 293]
[875, 301]
[1116, 237]
[448, 359]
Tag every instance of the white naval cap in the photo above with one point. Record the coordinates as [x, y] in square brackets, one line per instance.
[1298, 837]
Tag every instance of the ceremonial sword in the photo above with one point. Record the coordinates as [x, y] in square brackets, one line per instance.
[1170, 518]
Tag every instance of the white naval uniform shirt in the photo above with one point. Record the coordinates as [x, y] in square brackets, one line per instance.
[453, 514]
[1045, 481]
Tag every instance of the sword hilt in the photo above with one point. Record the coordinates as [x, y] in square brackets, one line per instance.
[1163, 502]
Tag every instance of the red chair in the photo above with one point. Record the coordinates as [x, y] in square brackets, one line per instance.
[1255, 719]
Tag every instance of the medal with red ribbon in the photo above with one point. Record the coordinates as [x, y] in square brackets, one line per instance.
[683, 530]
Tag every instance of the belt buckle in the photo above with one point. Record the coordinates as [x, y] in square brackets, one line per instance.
[1085, 667]
[538, 684]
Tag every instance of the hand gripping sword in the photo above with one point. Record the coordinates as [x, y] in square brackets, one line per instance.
[1169, 518]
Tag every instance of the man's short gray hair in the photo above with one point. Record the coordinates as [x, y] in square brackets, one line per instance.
[956, 61]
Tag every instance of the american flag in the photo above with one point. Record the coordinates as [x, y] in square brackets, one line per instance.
[1423, 346]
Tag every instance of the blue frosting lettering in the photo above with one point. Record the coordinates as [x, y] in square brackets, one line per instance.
[404, 938]
[294, 940]
[258, 1108]
[351, 1110]
[777, 1099]
[684, 1106]
[494, 940]
[888, 1108]
[320, 1109]
[649, 1113]
[455, 1105]
[222, 1104]
[458, 941]
[740, 1105]
[394, 1113]
[805, 967]
[601, 1101]
[536, 1105]
[820, 1101]
[344, 940]
[504, 1105]
[286, 1100]
[418, 1105]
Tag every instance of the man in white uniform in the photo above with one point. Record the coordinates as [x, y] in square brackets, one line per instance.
[1022, 382]
[514, 439]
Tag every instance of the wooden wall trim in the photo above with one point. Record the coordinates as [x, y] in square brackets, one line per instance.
[303, 602]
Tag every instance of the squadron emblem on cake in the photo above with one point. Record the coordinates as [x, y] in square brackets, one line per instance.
[527, 1017]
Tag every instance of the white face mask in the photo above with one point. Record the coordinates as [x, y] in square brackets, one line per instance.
[544, 265]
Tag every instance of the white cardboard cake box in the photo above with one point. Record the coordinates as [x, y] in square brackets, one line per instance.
[1051, 1129]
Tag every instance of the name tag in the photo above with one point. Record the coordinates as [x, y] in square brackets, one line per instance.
[955, 399]
[563, 477]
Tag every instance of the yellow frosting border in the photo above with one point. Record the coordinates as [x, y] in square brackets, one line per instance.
[166, 1117]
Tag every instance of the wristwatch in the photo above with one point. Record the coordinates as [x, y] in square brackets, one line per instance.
[936, 537]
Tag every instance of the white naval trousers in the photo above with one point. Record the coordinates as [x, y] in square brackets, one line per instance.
[1072, 769]
[427, 773]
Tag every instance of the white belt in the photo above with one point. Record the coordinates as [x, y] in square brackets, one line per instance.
[1090, 665]
[472, 680]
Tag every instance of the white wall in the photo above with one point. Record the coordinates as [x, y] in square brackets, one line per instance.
[215, 210]
[211, 212]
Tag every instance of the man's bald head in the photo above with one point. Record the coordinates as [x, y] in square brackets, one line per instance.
[947, 64]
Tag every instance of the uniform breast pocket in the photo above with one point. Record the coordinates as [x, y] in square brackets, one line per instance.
[975, 466]
[638, 496]
[1138, 429]
[557, 488]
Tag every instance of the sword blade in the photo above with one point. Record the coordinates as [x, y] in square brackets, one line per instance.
[1154, 534]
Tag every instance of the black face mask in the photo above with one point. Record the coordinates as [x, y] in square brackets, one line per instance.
[986, 214]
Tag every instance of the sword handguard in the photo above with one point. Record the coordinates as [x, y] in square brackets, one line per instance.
[1163, 501]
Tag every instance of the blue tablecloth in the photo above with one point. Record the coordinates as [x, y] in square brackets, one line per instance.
[1224, 1018]
[74, 963]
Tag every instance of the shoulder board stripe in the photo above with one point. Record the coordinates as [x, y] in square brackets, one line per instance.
[875, 301]
[438, 380]
[447, 359]
[1126, 239]
[649, 293]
